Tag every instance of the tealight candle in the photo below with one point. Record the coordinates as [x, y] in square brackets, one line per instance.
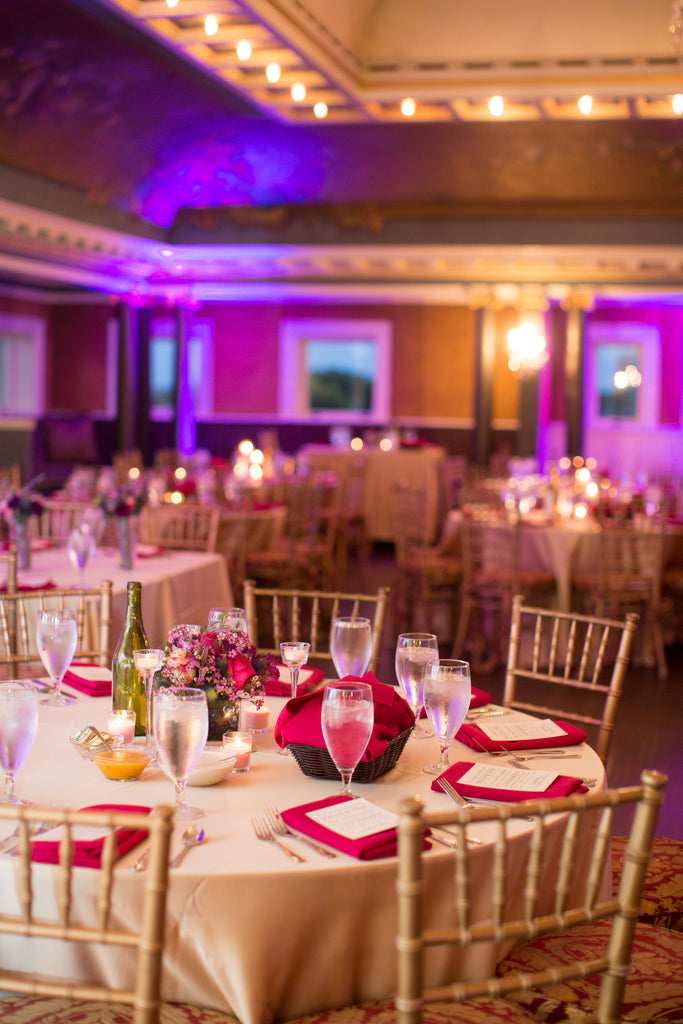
[238, 743]
[121, 723]
[253, 717]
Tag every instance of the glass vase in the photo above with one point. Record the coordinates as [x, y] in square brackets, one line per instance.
[23, 542]
[125, 543]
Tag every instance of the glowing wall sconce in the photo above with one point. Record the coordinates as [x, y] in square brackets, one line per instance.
[527, 349]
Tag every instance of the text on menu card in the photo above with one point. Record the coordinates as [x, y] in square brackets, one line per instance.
[355, 819]
[498, 777]
[520, 727]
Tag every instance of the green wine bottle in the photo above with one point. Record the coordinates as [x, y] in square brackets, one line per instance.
[128, 689]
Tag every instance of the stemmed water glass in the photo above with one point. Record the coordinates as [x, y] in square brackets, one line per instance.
[18, 725]
[294, 655]
[414, 651]
[347, 717]
[80, 545]
[147, 661]
[447, 693]
[228, 619]
[181, 726]
[56, 637]
[351, 645]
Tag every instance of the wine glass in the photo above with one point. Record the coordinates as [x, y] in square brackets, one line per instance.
[414, 651]
[181, 726]
[56, 637]
[294, 655]
[80, 545]
[347, 717]
[351, 645]
[147, 661]
[228, 619]
[447, 693]
[18, 725]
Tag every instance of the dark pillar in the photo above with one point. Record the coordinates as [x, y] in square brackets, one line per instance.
[527, 433]
[128, 359]
[576, 320]
[485, 355]
[144, 436]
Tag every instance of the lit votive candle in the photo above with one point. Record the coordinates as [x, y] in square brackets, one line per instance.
[239, 744]
[253, 717]
[122, 723]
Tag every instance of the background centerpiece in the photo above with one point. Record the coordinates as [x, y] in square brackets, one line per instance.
[18, 508]
[122, 504]
[225, 664]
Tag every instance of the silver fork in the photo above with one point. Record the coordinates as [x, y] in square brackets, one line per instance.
[263, 832]
[281, 828]
[454, 795]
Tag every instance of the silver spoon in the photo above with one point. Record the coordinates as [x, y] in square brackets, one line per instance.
[192, 836]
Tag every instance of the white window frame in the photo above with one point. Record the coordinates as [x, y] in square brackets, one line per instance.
[23, 346]
[293, 390]
[646, 338]
[202, 331]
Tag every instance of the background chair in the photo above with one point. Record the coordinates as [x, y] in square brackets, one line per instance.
[188, 527]
[519, 912]
[275, 615]
[8, 570]
[556, 656]
[19, 614]
[58, 519]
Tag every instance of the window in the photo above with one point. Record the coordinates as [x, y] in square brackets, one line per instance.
[22, 365]
[162, 368]
[339, 369]
[622, 374]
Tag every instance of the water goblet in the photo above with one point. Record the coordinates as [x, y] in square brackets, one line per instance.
[181, 726]
[414, 651]
[347, 718]
[18, 725]
[57, 638]
[147, 661]
[447, 693]
[351, 645]
[294, 655]
[229, 619]
[80, 546]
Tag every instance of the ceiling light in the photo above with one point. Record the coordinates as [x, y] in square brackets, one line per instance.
[677, 103]
[408, 107]
[243, 49]
[496, 105]
[211, 24]
[585, 104]
[273, 72]
[171, 3]
[298, 91]
[320, 110]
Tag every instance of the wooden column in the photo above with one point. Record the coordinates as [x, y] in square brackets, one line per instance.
[574, 363]
[483, 406]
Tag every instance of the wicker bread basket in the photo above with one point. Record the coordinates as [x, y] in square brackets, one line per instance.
[317, 763]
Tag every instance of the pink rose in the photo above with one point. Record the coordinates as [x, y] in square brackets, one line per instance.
[178, 662]
[241, 670]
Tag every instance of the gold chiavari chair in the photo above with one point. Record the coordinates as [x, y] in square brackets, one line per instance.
[276, 614]
[8, 577]
[560, 942]
[19, 613]
[58, 519]
[556, 657]
[189, 527]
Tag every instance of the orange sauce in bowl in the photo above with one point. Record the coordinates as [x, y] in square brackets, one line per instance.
[122, 764]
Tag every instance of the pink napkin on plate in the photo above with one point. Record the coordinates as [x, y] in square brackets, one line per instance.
[299, 720]
[93, 683]
[381, 844]
[478, 699]
[563, 785]
[309, 679]
[471, 735]
[88, 852]
[148, 550]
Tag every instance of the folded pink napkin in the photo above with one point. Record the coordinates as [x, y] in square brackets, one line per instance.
[88, 852]
[562, 786]
[148, 550]
[31, 583]
[381, 844]
[299, 720]
[477, 700]
[93, 687]
[474, 737]
[309, 679]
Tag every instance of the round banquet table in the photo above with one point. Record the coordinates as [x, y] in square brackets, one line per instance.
[248, 931]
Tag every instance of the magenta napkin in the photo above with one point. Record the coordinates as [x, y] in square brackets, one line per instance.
[309, 679]
[563, 785]
[92, 687]
[88, 853]
[477, 700]
[474, 737]
[299, 720]
[381, 844]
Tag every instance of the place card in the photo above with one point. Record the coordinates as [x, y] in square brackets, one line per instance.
[520, 727]
[355, 819]
[485, 776]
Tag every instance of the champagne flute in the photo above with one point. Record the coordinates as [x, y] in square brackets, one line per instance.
[80, 545]
[229, 619]
[351, 645]
[414, 651]
[294, 655]
[147, 661]
[56, 637]
[347, 718]
[181, 725]
[18, 725]
[447, 693]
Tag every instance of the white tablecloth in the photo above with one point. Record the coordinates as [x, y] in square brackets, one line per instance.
[177, 586]
[248, 931]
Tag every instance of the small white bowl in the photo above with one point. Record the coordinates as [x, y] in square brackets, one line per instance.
[212, 767]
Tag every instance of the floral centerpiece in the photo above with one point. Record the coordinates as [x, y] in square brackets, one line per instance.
[223, 663]
[17, 508]
[122, 504]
